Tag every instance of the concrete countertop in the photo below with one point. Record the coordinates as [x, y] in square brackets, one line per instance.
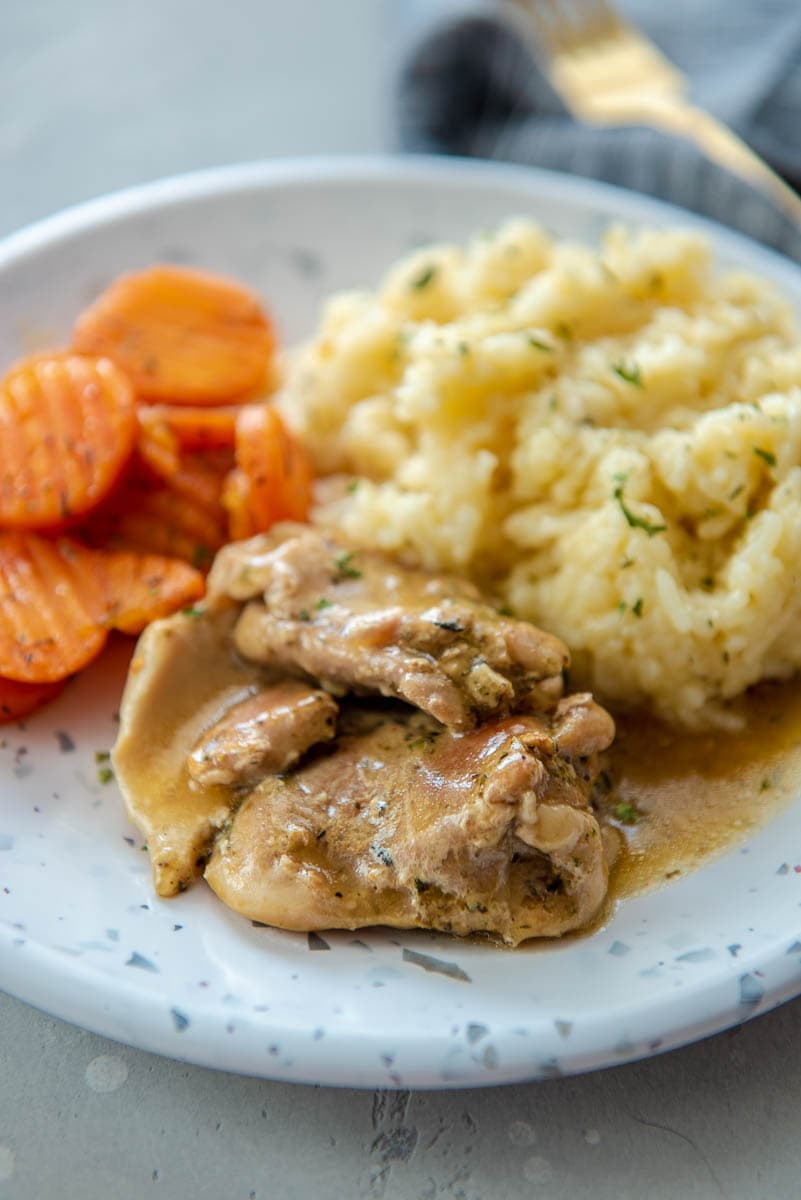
[95, 96]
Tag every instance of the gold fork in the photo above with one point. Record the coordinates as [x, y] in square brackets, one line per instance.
[608, 73]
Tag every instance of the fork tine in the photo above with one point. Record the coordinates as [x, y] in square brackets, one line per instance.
[562, 25]
[601, 19]
[546, 19]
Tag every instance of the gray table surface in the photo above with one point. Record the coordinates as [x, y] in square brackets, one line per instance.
[95, 95]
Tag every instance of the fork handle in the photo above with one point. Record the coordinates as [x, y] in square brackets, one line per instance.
[722, 146]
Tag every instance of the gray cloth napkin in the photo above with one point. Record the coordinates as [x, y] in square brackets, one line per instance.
[471, 87]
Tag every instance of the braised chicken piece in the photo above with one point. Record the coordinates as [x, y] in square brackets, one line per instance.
[183, 678]
[263, 734]
[409, 825]
[354, 620]
[465, 809]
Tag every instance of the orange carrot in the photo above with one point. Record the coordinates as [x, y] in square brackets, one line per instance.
[67, 429]
[273, 478]
[58, 599]
[48, 608]
[158, 447]
[169, 510]
[182, 336]
[18, 700]
[135, 589]
[193, 428]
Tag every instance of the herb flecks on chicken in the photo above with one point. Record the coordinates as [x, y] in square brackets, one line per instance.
[357, 621]
[410, 825]
[464, 809]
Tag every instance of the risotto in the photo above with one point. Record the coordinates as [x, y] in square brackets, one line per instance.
[607, 439]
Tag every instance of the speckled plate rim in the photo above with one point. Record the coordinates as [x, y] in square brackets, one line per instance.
[715, 999]
[453, 171]
[136, 1017]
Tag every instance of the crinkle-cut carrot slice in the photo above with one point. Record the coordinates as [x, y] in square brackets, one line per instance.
[236, 501]
[135, 589]
[49, 624]
[200, 479]
[191, 428]
[195, 475]
[58, 599]
[183, 336]
[158, 447]
[181, 517]
[18, 700]
[273, 479]
[67, 428]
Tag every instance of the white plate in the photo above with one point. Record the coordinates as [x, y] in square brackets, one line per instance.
[82, 934]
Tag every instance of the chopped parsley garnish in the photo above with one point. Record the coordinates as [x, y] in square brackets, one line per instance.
[505, 611]
[323, 603]
[353, 486]
[194, 611]
[735, 492]
[636, 607]
[536, 344]
[564, 331]
[707, 583]
[764, 785]
[104, 774]
[342, 562]
[201, 555]
[765, 455]
[626, 812]
[630, 373]
[464, 349]
[102, 756]
[633, 520]
[424, 278]
[303, 615]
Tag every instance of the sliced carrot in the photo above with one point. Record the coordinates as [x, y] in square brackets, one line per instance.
[67, 429]
[158, 447]
[236, 500]
[199, 477]
[193, 428]
[183, 336]
[181, 516]
[273, 478]
[18, 700]
[135, 589]
[58, 599]
[48, 608]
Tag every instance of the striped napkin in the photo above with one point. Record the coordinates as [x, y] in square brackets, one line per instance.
[469, 86]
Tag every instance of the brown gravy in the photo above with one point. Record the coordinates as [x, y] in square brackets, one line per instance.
[694, 795]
